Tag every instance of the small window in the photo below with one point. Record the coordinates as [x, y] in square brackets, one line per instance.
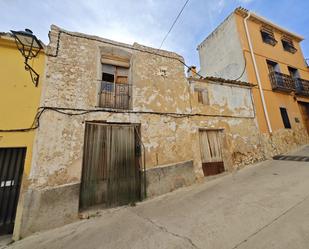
[268, 36]
[202, 96]
[285, 118]
[288, 45]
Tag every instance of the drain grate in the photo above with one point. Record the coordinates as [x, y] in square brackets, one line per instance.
[292, 158]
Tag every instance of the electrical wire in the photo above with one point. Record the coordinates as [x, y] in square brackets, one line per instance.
[183, 7]
[136, 49]
[60, 32]
[78, 112]
[244, 70]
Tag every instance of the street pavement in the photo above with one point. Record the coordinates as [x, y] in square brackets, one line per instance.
[262, 206]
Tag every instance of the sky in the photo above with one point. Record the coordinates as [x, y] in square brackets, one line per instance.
[147, 21]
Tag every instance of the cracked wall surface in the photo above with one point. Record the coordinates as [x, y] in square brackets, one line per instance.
[72, 81]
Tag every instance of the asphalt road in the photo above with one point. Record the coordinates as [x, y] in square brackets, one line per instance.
[261, 206]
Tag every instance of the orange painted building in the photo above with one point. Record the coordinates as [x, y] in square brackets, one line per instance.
[248, 47]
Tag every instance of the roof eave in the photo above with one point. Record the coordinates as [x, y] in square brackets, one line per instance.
[244, 12]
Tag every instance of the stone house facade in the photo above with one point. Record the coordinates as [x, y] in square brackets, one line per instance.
[128, 103]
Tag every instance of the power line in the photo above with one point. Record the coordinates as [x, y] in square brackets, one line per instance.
[244, 69]
[120, 45]
[183, 7]
[77, 112]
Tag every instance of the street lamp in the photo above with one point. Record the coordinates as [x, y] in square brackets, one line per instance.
[29, 46]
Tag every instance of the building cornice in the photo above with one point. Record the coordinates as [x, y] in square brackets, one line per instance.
[244, 12]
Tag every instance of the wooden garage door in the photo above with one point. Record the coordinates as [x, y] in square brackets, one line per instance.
[211, 152]
[111, 173]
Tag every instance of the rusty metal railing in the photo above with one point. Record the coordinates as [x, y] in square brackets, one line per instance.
[284, 82]
[281, 82]
[302, 87]
[115, 95]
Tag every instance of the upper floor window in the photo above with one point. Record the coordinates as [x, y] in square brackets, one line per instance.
[115, 88]
[268, 36]
[293, 72]
[202, 96]
[273, 66]
[288, 45]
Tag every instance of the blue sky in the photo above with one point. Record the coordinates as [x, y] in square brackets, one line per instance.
[147, 21]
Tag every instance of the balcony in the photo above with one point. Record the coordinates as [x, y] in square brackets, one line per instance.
[302, 87]
[281, 82]
[285, 83]
[115, 95]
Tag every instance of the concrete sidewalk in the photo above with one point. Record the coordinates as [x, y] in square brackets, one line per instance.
[261, 206]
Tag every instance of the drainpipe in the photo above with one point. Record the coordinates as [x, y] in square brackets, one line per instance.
[257, 74]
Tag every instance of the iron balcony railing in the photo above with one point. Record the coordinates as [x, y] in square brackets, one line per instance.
[284, 82]
[115, 95]
[281, 82]
[302, 87]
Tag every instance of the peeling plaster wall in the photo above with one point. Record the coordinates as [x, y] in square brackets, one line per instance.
[72, 81]
[224, 99]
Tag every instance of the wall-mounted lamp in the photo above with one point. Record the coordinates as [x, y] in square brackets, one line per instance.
[29, 46]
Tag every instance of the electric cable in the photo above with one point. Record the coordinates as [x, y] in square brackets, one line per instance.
[244, 70]
[176, 19]
[119, 45]
[78, 112]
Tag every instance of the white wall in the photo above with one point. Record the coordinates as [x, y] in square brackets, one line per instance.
[221, 52]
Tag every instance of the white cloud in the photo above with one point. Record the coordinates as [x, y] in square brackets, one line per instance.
[244, 1]
[142, 21]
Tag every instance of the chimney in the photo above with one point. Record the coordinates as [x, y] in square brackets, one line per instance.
[191, 72]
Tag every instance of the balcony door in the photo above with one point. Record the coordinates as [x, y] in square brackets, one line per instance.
[296, 77]
[273, 66]
[115, 91]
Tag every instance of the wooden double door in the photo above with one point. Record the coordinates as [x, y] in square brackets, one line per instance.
[211, 152]
[111, 173]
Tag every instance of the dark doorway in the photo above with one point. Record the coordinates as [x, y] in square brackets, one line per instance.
[111, 173]
[11, 170]
[304, 108]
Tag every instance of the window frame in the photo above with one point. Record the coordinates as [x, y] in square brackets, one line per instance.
[288, 45]
[285, 118]
[202, 95]
[274, 64]
[114, 94]
[268, 36]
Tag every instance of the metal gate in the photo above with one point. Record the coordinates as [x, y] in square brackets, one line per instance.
[11, 170]
[211, 152]
[111, 173]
